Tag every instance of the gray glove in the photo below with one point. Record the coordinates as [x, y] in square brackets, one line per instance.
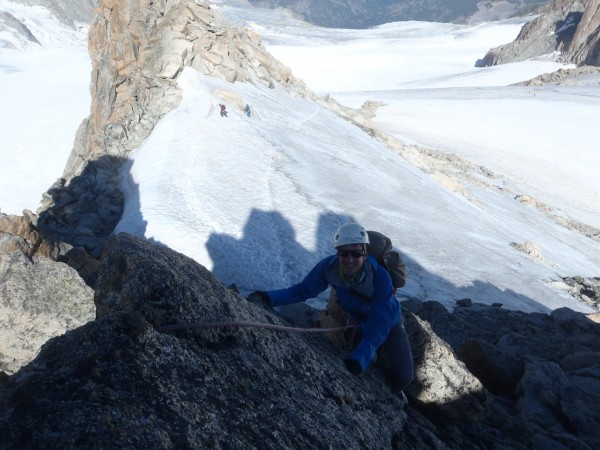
[259, 298]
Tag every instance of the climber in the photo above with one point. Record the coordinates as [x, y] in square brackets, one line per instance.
[364, 290]
[223, 110]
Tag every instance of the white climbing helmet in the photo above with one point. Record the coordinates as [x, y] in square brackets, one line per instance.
[350, 233]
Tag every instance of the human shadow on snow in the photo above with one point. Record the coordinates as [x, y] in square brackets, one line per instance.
[268, 256]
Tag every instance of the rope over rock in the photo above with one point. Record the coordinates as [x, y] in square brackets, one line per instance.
[246, 324]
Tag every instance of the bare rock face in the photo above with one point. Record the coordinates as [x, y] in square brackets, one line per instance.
[540, 371]
[119, 382]
[138, 49]
[584, 48]
[17, 233]
[43, 290]
[168, 364]
[566, 26]
[39, 299]
[21, 233]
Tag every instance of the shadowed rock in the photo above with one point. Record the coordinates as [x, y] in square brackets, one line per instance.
[125, 380]
[118, 382]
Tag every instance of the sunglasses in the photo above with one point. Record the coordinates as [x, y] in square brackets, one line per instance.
[353, 253]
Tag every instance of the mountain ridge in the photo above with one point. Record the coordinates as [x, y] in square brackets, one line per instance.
[365, 14]
[568, 27]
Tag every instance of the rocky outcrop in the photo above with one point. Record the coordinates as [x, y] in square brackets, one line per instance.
[569, 27]
[43, 290]
[138, 49]
[585, 289]
[584, 47]
[39, 299]
[562, 77]
[485, 377]
[118, 382]
[20, 233]
[541, 371]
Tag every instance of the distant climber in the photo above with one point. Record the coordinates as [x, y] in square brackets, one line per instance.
[247, 110]
[223, 110]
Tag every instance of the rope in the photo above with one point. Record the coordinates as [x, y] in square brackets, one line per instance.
[246, 324]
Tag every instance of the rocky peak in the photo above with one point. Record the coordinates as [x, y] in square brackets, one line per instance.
[138, 49]
[584, 47]
[571, 27]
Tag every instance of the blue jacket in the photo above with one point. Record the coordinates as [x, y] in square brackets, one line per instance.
[375, 318]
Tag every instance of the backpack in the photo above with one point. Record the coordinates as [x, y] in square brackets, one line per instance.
[380, 247]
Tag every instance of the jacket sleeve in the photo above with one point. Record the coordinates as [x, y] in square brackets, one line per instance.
[385, 313]
[313, 284]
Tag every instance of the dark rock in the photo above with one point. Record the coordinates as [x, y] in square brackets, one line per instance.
[576, 396]
[117, 382]
[547, 356]
[127, 380]
[498, 370]
[465, 302]
[75, 212]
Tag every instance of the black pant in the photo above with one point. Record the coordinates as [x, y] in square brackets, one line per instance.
[395, 357]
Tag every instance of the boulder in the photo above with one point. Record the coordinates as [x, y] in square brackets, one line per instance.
[538, 370]
[39, 299]
[123, 381]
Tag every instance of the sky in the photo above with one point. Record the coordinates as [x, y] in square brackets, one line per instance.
[256, 199]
